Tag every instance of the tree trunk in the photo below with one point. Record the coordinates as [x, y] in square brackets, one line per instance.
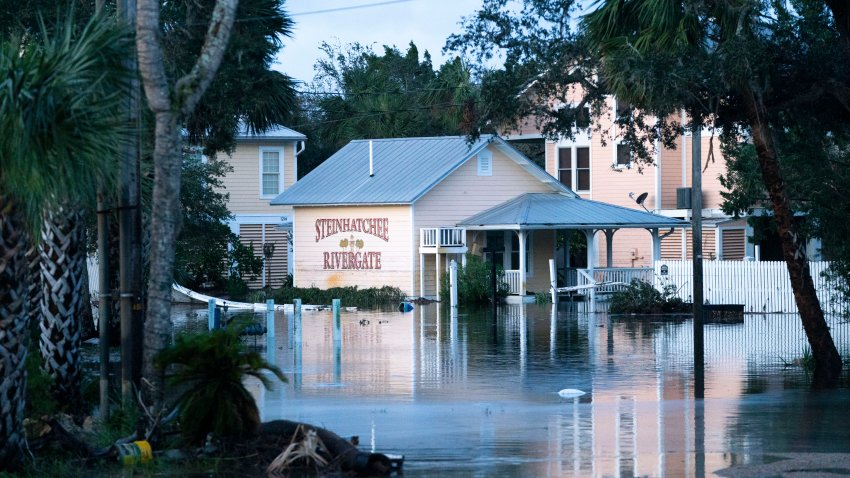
[827, 361]
[165, 225]
[63, 257]
[169, 105]
[13, 333]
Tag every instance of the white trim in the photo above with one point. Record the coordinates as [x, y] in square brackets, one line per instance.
[281, 169]
[573, 146]
[413, 251]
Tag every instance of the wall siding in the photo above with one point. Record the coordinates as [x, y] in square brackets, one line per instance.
[463, 194]
[276, 270]
[243, 183]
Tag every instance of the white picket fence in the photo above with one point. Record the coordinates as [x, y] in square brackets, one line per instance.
[762, 286]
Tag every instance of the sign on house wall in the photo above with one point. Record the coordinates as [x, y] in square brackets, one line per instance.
[363, 246]
[356, 245]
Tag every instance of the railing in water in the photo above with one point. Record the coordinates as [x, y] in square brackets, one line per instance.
[442, 237]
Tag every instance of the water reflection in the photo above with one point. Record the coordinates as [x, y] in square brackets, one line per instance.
[466, 394]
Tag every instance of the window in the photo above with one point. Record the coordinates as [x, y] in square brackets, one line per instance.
[623, 109]
[485, 163]
[574, 172]
[271, 172]
[624, 156]
[583, 118]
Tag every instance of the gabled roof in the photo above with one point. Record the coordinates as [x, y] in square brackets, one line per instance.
[276, 132]
[404, 170]
[559, 211]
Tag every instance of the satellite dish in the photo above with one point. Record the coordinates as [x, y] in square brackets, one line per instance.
[640, 199]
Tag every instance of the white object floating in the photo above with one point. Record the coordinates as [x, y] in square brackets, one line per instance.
[570, 393]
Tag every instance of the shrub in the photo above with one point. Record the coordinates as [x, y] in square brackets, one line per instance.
[474, 282]
[641, 297]
[350, 296]
[208, 370]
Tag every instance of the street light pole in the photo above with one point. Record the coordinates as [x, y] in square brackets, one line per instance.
[696, 228]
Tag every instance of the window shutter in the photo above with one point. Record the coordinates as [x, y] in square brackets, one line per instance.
[485, 163]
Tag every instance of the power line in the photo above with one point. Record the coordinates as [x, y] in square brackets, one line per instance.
[351, 7]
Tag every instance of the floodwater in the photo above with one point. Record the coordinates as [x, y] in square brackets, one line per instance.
[473, 395]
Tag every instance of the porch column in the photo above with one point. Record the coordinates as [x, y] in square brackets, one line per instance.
[437, 261]
[591, 255]
[609, 244]
[656, 244]
[522, 259]
[421, 275]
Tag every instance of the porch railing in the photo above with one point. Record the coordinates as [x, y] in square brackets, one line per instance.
[512, 279]
[613, 274]
[442, 237]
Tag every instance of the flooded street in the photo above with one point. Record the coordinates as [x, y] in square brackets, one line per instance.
[470, 396]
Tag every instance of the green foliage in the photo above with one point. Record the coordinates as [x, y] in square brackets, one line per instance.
[60, 112]
[40, 397]
[473, 282]
[370, 298]
[358, 93]
[641, 297]
[245, 89]
[542, 298]
[207, 371]
[207, 251]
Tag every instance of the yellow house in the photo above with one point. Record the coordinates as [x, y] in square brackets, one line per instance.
[396, 211]
[264, 165]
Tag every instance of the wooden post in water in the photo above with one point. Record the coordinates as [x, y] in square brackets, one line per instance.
[296, 361]
[553, 281]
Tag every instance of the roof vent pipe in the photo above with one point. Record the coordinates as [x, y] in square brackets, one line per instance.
[371, 172]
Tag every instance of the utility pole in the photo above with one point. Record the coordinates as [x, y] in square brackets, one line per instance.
[696, 227]
[128, 224]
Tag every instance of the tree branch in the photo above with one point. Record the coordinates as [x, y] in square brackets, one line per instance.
[191, 87]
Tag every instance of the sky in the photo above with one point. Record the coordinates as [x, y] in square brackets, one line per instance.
[371, 22]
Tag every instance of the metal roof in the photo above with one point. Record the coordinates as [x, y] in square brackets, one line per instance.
[560, 211]
[275, 132]
[404, 170]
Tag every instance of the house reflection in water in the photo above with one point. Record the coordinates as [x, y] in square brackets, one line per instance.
[455, 391]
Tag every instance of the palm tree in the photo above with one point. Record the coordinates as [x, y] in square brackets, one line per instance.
[59, 113]
[715, 59]
[63, 260]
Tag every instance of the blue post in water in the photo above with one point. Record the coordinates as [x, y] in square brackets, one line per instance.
[297, 332]
[211, 314]
[337, 342]
[337, 321]
[270, 317]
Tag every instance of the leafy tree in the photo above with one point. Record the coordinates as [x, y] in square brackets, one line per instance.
[60, 114]
[207, 250]
[358, 93]
[745, 67]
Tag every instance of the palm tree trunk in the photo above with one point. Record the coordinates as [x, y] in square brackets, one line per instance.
[827, 361]
[63, 260]
[13, 333]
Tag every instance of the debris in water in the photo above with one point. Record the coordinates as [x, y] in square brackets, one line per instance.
[570, 393]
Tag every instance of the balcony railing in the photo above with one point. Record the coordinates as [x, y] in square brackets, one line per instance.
[442, 237]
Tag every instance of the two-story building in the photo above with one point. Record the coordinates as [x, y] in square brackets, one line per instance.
[597, 165]
[264, 165]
